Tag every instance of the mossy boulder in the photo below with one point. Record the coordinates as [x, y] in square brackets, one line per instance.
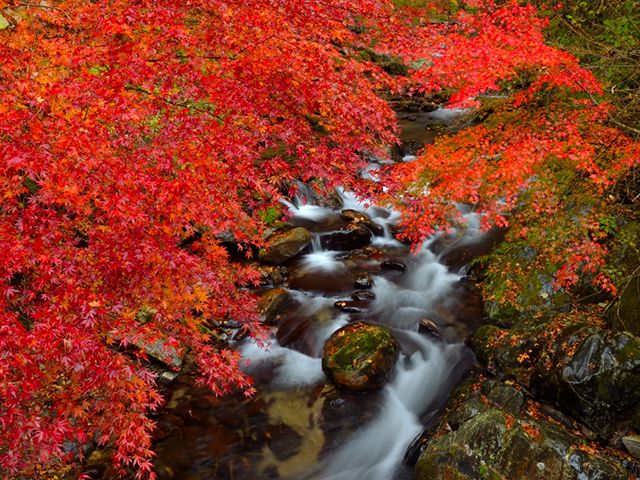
[282, 246]
[350, 237]
[499, 437]
[516, 289]
[360, 357]
[509, 353]
[358, 218]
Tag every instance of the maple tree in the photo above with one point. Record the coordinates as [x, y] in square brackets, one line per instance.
[127, 128]
[546, 138]
[133, 135]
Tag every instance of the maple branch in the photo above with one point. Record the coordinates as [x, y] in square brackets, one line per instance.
[45, 7]
[136, 88]
[623, 125]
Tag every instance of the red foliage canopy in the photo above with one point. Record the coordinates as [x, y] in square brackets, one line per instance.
[127, 126]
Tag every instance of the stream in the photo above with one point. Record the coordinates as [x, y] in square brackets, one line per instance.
[300, 426]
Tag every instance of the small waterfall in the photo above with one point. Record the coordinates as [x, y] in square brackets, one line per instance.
[375, 451]
[316, 246]
[426, 370]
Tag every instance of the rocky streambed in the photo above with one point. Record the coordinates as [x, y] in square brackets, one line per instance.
[399, 392]
[392, 326]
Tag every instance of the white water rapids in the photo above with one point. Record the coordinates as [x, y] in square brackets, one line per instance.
[425, 372]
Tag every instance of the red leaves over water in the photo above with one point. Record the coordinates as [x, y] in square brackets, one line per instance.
[125, 127]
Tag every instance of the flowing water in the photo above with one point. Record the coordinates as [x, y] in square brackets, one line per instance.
[299, 426]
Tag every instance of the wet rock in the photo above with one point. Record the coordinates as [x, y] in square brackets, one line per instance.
[302, 330]
[360, 357]
[410, 117]
[457, 254]
[393, 265]
[591, 374]
[416, 447]
[282, 246]
[358, 218]
[283, 441]
[501, 440]
[304, 277]
[271, 303]
[428, 327]
[363, 296]
[407, 147]
[594, 376]
[292, 330]
[632, 444]
[350, 237]
[348, 306]
[363, 281]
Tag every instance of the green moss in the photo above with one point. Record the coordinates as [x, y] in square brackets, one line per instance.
[360, 357]
[358, 347]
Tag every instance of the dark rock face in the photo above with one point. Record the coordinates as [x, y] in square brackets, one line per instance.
[493, 435]
[351, 237]
[428, 327]
[599, 384]
[282, 246]
[349, 306]
[360, 357]
[589, 373]
[331, 281]
[363, 296]
[393, 265]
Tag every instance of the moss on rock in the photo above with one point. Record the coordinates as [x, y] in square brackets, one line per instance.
[360, 357]
[509, 440]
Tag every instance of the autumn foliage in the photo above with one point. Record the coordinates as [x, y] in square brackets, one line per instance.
[126, 129]
[545, 139]
[135, 135]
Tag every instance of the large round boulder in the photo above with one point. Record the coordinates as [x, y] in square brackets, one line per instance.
[360, 357]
